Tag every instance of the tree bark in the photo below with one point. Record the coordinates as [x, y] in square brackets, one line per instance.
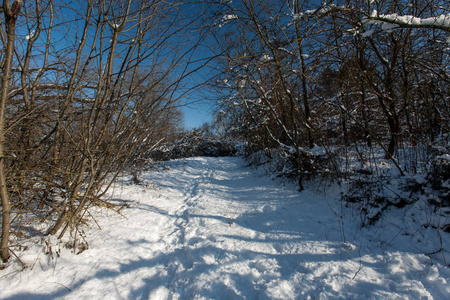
[395, 130]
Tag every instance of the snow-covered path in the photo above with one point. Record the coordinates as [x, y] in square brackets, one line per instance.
[211, 228]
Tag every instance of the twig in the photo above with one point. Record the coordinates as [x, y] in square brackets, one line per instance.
[6, 275]
[21, 262]
[359, 269]
[442, 247]
[60, 284]
[84, 279]
[360, 258]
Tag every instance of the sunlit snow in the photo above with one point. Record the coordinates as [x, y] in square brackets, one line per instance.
[211, 228]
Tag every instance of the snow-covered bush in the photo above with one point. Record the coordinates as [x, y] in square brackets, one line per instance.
[371, 195]
[284, 162]
[439, 170]
[195, 143]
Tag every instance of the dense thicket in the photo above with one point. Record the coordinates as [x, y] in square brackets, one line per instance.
[92, 85]
[351, 78]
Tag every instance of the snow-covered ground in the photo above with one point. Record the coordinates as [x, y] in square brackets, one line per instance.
[212, 228]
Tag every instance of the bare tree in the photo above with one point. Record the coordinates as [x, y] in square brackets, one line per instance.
[269, 69]
[95, 83]
[338, 73]
[11, 13]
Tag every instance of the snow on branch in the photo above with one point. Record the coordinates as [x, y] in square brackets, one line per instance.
[441, 22]
[319, 12]
[226, 19]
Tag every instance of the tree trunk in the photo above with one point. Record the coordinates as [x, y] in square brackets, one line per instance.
[395, 130]
[364, 110]
[11, 14]
[307, 109]
[345, 129]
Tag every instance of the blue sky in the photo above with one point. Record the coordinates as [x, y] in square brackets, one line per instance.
[197, 110]
[199, 101]
[196, 114]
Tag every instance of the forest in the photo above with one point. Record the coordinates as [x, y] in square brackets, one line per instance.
[341, 91]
